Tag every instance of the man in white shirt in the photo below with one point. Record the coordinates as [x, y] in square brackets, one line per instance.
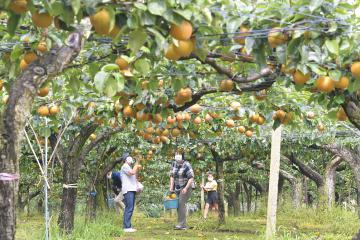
[129, 188]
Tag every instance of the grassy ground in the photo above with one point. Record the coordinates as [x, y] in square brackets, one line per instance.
[306, 224]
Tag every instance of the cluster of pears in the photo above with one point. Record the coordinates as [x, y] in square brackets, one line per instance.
[183, 45]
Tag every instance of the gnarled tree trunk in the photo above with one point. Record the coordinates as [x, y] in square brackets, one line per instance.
[220, 189]
[71, 172]
[12, 122]
[352, 157]
[237, 198]
[330, 174]
[352, 109]
[312, 174]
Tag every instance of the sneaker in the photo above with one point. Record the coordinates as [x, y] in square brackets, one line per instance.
[129, 230]
[180, 228]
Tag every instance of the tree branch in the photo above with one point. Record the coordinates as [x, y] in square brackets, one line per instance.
[104, 136]
[306, 170]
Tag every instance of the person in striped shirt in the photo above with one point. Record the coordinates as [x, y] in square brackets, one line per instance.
[182, 183]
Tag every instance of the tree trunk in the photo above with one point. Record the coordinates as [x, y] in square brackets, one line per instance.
[12, 122]
[351, 156]
[237, 198]
[313, 175]
[330, 174]
[297, 193]
[280, 187]
[352, 109]
[91, 207]
[220, 177]
[242, 208]
[71, 172]
[305, 190]
[248, 192]
[40, 205]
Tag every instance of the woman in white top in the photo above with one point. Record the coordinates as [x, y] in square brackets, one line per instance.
[212, 197]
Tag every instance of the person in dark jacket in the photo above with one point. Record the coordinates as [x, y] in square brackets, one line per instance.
[116, 187]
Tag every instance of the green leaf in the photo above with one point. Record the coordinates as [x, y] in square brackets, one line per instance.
[160, 40]
[293, 46]
[201, 53]
[93, 69]
[110, 67]
[332, 114]
[137, 39]
[68, 15]
[143, 66]
[120, 81]
[184, 13]
[233, 24]
[314, 4]
[45, 132]
[74, 85]
[56, 9]
[140, 6]
[259, 53]
[172, 17]
[354, 85]
[16, 52]
[276, 124]
[147, 19]
[177, 84]
[339, 99]
[12, 23]
[335, 74]
[110, 87]
[332, 46]
[317, 69]
[76, 5]
[100, 79]
[157, 7]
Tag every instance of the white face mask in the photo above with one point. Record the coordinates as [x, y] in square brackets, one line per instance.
[210, 179]
[178, 158]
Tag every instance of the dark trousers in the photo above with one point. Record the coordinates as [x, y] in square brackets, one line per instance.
[129, 200]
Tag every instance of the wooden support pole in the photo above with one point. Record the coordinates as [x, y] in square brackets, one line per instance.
[273, 183]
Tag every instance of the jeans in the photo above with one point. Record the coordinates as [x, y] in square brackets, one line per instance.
[129, 200]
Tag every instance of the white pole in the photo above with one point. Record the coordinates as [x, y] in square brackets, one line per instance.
[273, 183]
[45, 187]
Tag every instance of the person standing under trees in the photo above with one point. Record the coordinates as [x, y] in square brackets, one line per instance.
[212, 197]
[129, 189]
[116, 187]
[182, 183]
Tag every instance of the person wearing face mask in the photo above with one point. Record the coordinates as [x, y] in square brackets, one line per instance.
[129, 187]
[182, 183]
[212, 198]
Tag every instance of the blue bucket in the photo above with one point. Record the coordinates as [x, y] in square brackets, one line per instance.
[171, 203]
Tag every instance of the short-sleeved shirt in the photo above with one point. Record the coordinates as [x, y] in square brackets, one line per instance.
[211, 186]
[181, 174]
[128, 181]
